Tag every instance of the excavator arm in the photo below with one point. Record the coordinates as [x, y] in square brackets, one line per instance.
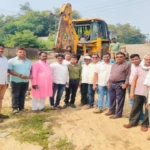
[66, 35]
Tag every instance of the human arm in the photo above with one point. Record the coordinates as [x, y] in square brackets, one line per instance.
[95, 79]
[35, 71]
[133, 85]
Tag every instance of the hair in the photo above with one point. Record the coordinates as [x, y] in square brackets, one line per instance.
[114, 38]
[107, 54]
[59, 55]
[95, 55]
[40, 53]
[134, 55]
[21, 48]
[74, 56]
[67, 53]
[1, 45]
[121, 53]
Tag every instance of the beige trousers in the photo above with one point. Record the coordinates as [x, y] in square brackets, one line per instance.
[3, 88]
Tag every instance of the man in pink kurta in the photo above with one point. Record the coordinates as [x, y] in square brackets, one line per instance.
[41, 82]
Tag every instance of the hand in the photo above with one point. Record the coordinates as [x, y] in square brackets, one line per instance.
[132, 95]
[23, 77]
[124, 86]
[94, 86]
[108, 86]
[147, 106]
[30, 77]
[35, 87]
[67, 85]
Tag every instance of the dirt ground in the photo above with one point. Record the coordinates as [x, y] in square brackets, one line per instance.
[89, 131]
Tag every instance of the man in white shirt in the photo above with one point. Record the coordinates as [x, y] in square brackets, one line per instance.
[92, 68]
[60, 76]
[101, 77]
[3, 79]
[84, 80]
[67, 59]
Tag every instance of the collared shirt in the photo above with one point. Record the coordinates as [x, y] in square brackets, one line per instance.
[75, 71]
[66, 62]
[85, 72]
[92, 69]
[141, 89]
[103, 71]
[120, 72]
[21, 67]
[114, 47]
[3, 70]
[60, 73]
[133, 72]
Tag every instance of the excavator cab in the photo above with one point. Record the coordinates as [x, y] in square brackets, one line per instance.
[96, 28]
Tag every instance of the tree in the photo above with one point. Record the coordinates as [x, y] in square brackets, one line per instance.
[128, 34]
[25, 38]
[24, 8]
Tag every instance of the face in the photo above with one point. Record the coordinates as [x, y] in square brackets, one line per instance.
[60, 60]
[21, 53]
[147, 60]
[1, 50]
[43, 57]
[67, 57]
[95, 59]
[114, 40]
[120, 58]
[106, 58]
[73, 61]
[136, 61]
[87, 61]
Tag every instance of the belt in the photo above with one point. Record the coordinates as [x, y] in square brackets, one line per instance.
[118, 81]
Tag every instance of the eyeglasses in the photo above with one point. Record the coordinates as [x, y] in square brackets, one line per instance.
[94, 57]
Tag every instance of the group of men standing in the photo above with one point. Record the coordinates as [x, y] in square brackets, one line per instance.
[50, 81]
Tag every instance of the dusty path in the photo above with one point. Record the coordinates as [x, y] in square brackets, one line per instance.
[88, 131]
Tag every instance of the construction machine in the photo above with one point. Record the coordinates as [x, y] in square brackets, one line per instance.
[81, 35]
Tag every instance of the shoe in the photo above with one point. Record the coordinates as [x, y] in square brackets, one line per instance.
[98, 111]
[65, 106]
[129, 126]
[16, 111]
[35, 111]
[81, 105]
[89, 107]
[59, 107]
[73, 105]
[110, 113]
[115, 117]
[4, 116]
[52, 108]
[144, 129]
[24, 110]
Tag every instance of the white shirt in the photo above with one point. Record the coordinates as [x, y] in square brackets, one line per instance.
[60, 73]
[3, 70]
[84, 74]
[103, 71]
[133, 73]
[92, 69]
[66, 62]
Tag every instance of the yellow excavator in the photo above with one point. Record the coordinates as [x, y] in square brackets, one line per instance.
[80, 35]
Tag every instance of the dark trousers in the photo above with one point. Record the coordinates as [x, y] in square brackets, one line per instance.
[91, 93]
[136, 111]
[59, 88]
[84, 93]
[117, 94]
[18, 94]
[71, 90]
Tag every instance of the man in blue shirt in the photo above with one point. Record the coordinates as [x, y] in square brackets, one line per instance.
[19, 68]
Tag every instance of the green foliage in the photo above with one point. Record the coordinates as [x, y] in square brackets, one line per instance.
[25, 38]
[128, 34]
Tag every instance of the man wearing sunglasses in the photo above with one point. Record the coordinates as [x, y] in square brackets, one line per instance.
[3, 79]
[117, 84]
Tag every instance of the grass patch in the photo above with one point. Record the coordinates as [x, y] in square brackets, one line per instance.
[29, 128]
[63, 144]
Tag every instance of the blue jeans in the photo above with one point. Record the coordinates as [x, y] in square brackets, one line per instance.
[102, 91]
[91, 93]
[59, 88]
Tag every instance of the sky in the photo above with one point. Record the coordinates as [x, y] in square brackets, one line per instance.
[135, 12]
